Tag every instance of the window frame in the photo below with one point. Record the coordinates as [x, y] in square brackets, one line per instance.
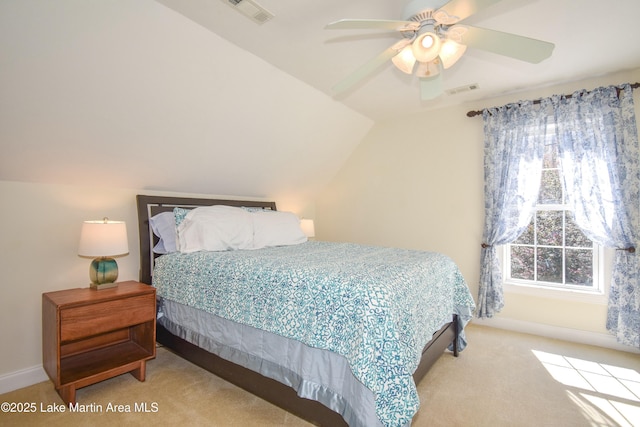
[600, 261]
[598, 268]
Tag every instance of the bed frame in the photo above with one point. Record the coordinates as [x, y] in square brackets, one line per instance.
[253, 382]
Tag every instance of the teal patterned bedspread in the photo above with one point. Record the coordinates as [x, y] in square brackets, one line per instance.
[375, 306]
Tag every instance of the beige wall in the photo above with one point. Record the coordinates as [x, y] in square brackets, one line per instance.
[414, 182]
[40, 228]
[417, 182]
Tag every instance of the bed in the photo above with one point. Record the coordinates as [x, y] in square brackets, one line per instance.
[298, 363]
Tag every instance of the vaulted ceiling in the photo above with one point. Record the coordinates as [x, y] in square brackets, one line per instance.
[192, 96]
[132, 94]
[591, 38]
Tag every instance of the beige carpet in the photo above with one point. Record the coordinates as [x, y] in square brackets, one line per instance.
[501, 379]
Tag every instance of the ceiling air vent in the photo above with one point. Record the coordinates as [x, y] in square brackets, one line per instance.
[460, 89]
[252, 9]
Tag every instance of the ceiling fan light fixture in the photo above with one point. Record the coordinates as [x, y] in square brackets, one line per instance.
[404, 60]
[437, 41]
[450, 52]
[426, 47]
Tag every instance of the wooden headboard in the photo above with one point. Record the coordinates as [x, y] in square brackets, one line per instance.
[149, 206]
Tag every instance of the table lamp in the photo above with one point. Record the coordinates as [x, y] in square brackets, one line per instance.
[103, 240]
[307, 227]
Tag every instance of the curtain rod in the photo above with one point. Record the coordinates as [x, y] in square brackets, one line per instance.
[537, 101]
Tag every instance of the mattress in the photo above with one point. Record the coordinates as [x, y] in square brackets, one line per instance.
[374, 307]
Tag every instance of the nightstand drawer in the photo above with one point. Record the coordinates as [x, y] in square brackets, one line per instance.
[78, 322]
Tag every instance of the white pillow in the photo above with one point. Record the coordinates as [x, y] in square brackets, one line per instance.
[215, 228]
[164, 226]
[273, 228]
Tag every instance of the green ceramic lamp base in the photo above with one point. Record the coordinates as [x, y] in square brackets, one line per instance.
[103, 273]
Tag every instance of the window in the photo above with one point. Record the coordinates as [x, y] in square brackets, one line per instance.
[553, 252]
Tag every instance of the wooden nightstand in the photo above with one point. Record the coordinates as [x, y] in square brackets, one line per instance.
[89, 336]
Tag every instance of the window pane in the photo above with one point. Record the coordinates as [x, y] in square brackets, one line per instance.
[550, 228]
[526, 238]
[579, 267]
[522, 266]
[550, 159]
[552, 251]
[550, 187]
[574, 236]
[550, 265]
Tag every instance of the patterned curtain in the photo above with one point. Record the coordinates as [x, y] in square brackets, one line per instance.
[513, 150]
[600, 159]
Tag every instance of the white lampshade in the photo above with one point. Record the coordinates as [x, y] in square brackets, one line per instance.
[450, 52]
[405, 60]
[307, 227]
[103, 238]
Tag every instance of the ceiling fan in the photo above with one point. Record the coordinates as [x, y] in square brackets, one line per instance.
[433, 40]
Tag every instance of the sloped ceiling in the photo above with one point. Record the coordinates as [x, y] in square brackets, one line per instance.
[591, 37]
[132, 94]
[192, 96]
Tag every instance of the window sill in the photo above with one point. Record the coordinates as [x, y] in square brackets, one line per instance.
[590, 297]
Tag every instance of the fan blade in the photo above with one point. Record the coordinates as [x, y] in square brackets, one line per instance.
[373, 24]
[457, 10]
[430, 87]
[369, 67]
[512, 45]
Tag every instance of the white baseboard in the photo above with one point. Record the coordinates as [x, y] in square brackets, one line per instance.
[22, 378]
[557, 332]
